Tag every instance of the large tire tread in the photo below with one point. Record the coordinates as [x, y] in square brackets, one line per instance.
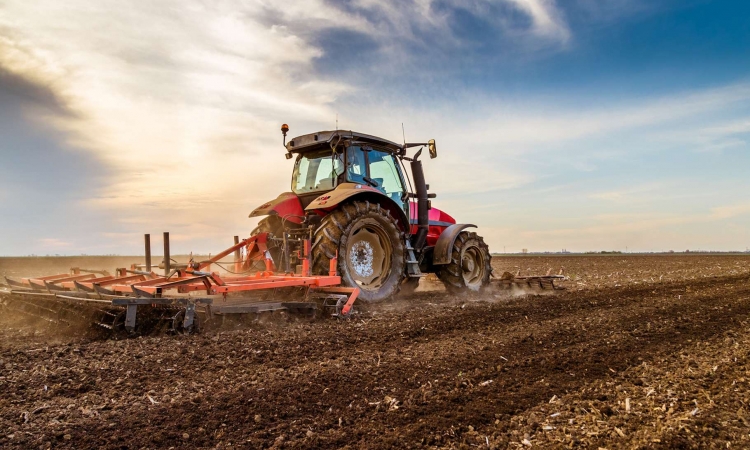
[452, 275]
[330, 238]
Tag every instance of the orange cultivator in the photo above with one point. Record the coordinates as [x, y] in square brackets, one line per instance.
[189, 295]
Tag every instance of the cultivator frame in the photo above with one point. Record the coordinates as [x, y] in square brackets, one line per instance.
[136, 301]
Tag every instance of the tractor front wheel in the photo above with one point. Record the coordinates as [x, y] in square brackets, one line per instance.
[370, 249]
[470, 266]
[272, 225]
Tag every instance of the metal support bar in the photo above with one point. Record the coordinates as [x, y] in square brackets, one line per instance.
[147, 242]
[130, 313]
[166, 254]
[237, 256]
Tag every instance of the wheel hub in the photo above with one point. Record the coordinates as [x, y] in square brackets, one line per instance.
[472, 267]
[361, 258]
[468, 265]
[369, 256]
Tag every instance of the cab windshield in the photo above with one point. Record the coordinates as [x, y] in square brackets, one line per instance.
[317, 171]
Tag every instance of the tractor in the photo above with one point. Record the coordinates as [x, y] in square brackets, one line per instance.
[352, 192]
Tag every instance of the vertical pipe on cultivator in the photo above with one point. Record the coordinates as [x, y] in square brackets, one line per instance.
[147, 242]
[237, 256]
[167, 265]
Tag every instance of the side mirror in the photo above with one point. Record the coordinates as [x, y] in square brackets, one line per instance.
[431, 147]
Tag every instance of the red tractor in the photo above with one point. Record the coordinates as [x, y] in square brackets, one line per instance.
[353, 194]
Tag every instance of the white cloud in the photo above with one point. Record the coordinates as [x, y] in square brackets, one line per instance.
[546, 18]
[734, 127]
[553, 120]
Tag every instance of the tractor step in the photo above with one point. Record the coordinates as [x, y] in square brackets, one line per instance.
[412, 265]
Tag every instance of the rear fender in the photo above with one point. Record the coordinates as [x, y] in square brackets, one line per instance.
[444, 244]
[352, 191]
[287, 206]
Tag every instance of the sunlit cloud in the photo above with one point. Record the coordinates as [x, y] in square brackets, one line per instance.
[546, 18]
[182, 101]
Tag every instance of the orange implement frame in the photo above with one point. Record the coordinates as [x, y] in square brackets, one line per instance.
[160, 295]
[255, 249]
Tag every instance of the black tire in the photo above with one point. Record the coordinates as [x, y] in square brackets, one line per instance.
[270, 224]
[370, 249]
[470, 267]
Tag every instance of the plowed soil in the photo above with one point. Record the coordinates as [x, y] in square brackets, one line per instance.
[639, 352]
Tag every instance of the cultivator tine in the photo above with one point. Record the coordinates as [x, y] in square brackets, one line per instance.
[141, 293]
[37, 286]
[15, 284]
[82, 287]
[103, 291]
[50, 286]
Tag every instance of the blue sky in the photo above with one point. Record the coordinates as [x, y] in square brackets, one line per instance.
[577, 124]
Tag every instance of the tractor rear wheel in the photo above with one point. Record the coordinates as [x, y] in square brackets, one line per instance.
[370, 249]
[470, 266]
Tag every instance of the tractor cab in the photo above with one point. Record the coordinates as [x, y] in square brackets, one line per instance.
[321, 170]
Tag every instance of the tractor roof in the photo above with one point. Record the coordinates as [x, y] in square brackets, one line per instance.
[311, 141]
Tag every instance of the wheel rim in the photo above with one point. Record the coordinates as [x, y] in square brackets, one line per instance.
[472, 267]
[369, 255]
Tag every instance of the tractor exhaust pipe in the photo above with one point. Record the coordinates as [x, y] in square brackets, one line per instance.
[423, 203]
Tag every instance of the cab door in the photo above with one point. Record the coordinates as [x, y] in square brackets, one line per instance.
[384, 170]
[377, 168]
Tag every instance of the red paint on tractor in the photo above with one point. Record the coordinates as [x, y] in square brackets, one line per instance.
[287, 206]
[439, 221]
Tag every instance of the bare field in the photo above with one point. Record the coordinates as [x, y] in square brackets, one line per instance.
[639, 352]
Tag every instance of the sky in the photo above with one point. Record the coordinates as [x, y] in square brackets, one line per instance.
[583, 125]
